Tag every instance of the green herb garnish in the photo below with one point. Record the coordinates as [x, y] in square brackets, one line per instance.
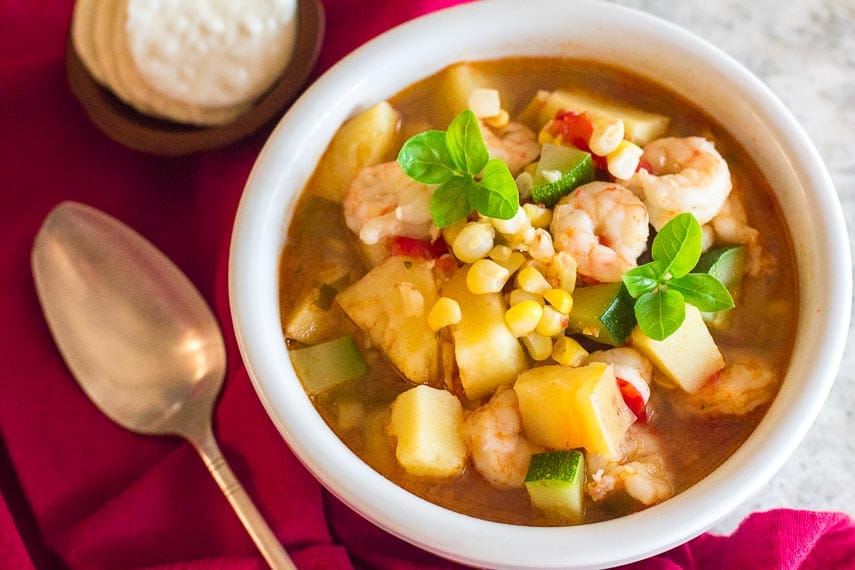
[458, 161]
[663, 286]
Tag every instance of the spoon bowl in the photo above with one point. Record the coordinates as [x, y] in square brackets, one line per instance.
[139, 338]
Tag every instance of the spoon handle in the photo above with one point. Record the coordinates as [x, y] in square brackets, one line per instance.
[266, 542]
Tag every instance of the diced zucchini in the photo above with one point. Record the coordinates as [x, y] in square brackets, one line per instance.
[727, 264]
[328, 364]
[556, 484]
[365, 140]
[603, 313]
[640, 127]
[428, 423]
[488, 354]
[563, 408]
[574, 166]
[377, 304]
[688, 357]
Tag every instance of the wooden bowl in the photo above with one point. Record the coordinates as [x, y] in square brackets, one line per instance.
[153, 135]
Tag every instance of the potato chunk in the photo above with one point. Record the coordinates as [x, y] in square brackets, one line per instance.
[365, 140]
[565, 408]
[488, 354]
[428, 423]
[382, 304]
[688, 357]
[456, 84]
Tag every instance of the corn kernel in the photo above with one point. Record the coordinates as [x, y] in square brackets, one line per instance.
[538, 216]
[568, 352]
[514, 262]
[500, 253]
[532, 281]
[512, 225]
[484, 102]
[473, 241]
[561, 271]
[623, 161]
[517, 296]
[552, 323]
[538, 346]
[531, 168]
[606, 136]
[445, 311]
[499, 121]
[486, 276]
[523, 317]
[560, 299]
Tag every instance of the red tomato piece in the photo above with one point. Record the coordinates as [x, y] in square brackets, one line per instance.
[412, 247]
[633, 400]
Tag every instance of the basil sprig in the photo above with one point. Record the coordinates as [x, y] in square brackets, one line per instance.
[663, 286]
[468, 178]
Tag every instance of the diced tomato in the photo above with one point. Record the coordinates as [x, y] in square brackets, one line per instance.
[633, 400]
[644, 165]
[422, 248]
[575, 128]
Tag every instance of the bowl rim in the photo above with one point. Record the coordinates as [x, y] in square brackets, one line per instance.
[403, 514]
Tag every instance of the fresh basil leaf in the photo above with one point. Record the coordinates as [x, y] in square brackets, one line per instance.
[465, 143]
[449, 202]
[703, 291]
[678, 243]
[660, 313]
[424, 157]
[644, 278]
[496, 195]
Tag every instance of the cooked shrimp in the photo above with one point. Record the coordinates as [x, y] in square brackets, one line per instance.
[515, 144]
[383, 201]
[629, 365]
[642, 470]
[688, 175]
[604, 227]
[493, 434]
[730, 225]
[748, 382]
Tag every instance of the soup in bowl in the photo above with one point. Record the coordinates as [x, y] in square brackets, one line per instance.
[537, 282]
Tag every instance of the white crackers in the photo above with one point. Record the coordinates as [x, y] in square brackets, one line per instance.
[202, 62]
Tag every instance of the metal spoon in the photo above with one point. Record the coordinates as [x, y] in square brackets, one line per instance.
[140, 340]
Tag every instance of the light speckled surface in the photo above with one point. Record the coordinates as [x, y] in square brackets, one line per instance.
[805, 52]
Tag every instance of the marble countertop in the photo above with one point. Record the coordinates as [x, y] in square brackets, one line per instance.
[805, 52]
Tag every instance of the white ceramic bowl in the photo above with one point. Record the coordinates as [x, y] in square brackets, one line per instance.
[611, 34]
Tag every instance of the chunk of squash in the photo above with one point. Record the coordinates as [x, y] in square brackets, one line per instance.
[640, 127]
[428, 423]
[381, 304]
[688, 357]
[365, 140]
[565, 408]
[488, 354]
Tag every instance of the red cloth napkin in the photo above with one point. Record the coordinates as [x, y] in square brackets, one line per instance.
[78, 491]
